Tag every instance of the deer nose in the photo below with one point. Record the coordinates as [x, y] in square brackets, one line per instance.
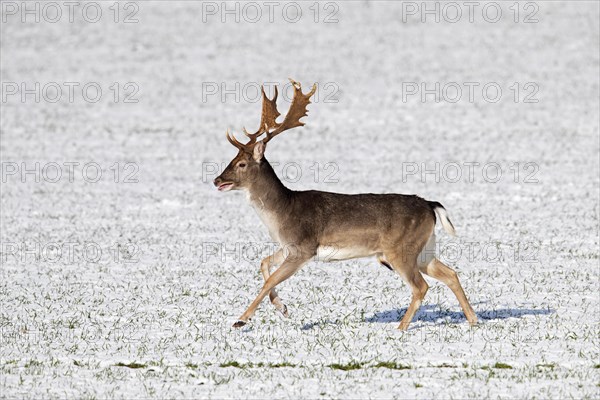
[217, 181]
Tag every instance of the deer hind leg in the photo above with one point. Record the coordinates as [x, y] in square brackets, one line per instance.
[440, 271]
[265, 267]
[288, 268]
[406, 266]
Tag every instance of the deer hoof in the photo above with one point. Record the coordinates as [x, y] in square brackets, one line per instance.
[239, 324]
[284, 311]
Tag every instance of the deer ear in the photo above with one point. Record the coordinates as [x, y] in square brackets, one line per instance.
[259, 151]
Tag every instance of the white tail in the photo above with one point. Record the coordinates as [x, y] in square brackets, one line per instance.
[446, 223]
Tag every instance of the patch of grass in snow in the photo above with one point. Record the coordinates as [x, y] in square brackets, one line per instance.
[258, 365]
[498, 365]
[283, 364]
[33, 363]
[132, 365]
[391, 365]
[346, 367]
[233, 364]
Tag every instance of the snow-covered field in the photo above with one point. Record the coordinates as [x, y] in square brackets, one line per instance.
[126, 284]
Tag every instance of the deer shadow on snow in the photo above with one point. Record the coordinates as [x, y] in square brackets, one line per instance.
[433, 313]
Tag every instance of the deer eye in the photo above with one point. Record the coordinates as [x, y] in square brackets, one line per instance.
[242, 165]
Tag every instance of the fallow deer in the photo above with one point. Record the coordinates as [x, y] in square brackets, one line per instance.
[397, 229]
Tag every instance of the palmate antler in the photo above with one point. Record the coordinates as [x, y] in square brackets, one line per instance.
[268, 123]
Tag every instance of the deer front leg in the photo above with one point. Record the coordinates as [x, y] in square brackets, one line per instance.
[288, 268]
[265, 267]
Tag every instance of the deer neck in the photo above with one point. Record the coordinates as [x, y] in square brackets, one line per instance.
[266, 193]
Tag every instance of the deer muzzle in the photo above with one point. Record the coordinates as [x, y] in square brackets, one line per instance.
[223, 186]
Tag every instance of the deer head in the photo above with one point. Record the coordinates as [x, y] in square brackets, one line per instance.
[245, 165]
